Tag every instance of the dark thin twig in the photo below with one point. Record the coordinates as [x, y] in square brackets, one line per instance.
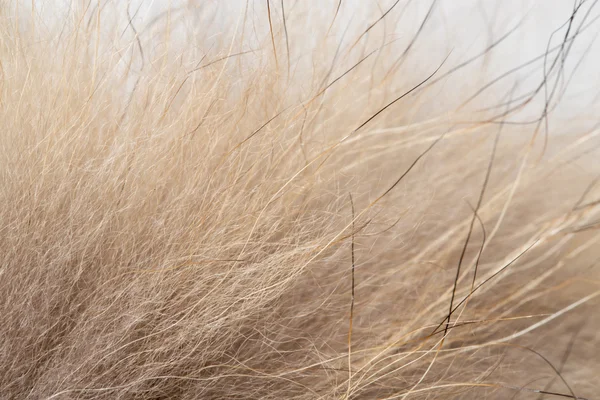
[468, 238]
[587, 190]
[483, 241]
[403, 95]
[287, 42]
[351, 303]
[272, 37]
[337, 10]
[219, 59]
[511, 262]
[376, 22]
[556, 370]
[372, 117]
[564, 359]
[524, 389]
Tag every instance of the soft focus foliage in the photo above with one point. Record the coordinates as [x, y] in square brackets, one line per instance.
[289, 200]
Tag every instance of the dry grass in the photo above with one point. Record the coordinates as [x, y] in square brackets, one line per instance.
[198, 209]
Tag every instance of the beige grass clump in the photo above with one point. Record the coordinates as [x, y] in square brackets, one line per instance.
[284, 202]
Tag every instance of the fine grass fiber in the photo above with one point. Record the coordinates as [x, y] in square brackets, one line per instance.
[271, 199]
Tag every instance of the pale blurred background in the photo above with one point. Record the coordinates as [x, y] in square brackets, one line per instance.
[459, 29]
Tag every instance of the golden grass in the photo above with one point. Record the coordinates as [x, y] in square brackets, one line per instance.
[265, 204]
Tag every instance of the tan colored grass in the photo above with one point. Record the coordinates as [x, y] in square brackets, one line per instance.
[209, 213]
